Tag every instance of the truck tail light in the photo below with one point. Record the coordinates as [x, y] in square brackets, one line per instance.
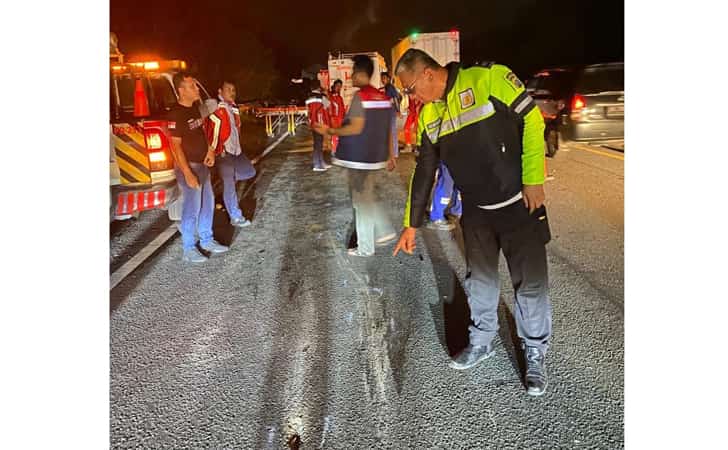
[157, 150]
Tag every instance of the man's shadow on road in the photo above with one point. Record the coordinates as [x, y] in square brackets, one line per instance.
[223, 231]
[451, 313]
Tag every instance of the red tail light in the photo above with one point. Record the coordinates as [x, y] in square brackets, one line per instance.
[577, 102]
[158, 149]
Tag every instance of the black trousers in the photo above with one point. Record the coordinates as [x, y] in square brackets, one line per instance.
[522, 238]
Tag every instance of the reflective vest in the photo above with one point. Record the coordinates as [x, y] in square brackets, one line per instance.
[488, 132]
[370, 149]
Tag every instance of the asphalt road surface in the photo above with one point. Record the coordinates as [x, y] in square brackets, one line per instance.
[287, 342]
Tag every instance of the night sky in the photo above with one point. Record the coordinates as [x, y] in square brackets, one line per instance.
[526, 35]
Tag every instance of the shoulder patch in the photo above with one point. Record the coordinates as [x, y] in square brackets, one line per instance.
[467, 98]
[513, 80]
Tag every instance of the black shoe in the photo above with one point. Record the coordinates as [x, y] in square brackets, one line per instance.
[536, 380]
[471, 355]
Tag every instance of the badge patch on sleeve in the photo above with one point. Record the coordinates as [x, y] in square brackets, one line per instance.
[467, 98]
[513, 79]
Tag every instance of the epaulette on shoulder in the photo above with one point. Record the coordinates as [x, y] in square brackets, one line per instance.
[485, 64]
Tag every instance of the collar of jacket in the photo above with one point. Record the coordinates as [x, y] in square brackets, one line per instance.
[452, 74]
[222, 100]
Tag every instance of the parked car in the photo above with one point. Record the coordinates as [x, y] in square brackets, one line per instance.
[551, 89]
[595, 109]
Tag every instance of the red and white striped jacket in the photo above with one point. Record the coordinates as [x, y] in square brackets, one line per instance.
[337, 110]
[317, 105]
[218, 126]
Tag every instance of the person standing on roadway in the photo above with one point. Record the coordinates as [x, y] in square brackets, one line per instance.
[193, 157]
[336, 110]
[488, 131]
[364, 149]
[318, 114]
[391, 91]
[410, 125]
[224, 133]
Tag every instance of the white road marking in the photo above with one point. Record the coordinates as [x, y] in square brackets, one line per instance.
[129, 266]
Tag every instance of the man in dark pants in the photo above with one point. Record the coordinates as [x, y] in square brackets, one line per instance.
[482, 124]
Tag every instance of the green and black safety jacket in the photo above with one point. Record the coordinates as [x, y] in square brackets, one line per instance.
[488, 132]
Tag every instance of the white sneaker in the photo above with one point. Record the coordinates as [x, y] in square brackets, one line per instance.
[320, 169]
[193, 256]
[357, 252]
[240, 222]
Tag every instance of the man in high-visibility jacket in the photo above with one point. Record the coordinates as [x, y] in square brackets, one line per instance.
[489, 133]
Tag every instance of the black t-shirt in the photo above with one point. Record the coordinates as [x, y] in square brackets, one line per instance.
[186, 123]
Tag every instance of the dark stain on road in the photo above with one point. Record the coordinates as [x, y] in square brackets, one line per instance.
[451, 313]
[305, 305]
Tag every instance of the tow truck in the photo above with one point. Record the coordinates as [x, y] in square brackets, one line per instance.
[140, 159]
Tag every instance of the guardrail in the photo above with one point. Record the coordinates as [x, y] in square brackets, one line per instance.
[274, 117]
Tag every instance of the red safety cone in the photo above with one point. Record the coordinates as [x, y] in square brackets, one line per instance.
[141, 105]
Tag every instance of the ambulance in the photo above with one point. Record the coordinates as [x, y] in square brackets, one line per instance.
[141, 168]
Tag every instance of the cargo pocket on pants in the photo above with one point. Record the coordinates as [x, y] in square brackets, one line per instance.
[543, 231]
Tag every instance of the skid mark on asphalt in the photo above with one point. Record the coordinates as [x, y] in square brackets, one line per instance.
[372, 337]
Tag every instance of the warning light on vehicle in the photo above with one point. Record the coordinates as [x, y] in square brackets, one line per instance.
[154, 142]
[414, 34]
[157, 157]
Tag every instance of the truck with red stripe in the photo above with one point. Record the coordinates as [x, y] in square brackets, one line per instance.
[141, 167]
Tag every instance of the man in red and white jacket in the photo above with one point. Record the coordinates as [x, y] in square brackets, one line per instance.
[318, 114]
[410, 125]
[223, 133]
[336, 110]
